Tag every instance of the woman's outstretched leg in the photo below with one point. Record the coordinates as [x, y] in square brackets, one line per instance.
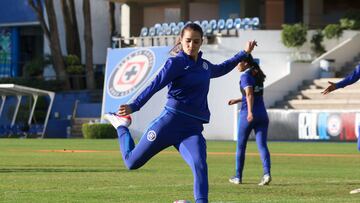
[152, 142]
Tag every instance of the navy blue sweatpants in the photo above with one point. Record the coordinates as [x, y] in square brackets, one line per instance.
[170, 129]
[260, 125]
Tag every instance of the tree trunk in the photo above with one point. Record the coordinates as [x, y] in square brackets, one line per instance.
[52, 35]
[71, 30]
[111, 20]
[90, 81]
[75, 29]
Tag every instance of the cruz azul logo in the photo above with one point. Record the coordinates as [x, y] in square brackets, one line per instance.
[130, 72]
[329, 126]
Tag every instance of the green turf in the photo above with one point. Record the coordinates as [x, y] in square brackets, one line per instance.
[28, 175]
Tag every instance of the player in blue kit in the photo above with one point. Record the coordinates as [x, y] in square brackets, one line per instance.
[187, 76]
[348, 80]
[253, 116]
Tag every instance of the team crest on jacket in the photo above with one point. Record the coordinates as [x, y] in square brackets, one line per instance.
[130, 72]
[151, 135]
[205, 65]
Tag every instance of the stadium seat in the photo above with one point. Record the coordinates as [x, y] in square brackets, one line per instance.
[229, 24]
[144, 32]
[221, 24]
[152, 31]
[180, 25]
[172, 27]
[197, 22]
[166, 29]
[255, 23]
[213, 24]
[237, 23]
[204, 25]
[246, 23]
[176, 30]
[158, 29]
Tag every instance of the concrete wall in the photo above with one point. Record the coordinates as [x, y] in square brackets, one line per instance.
[342, 52]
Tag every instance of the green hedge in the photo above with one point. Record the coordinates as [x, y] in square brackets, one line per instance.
[98, 131]
[332, 31]
[293, 35]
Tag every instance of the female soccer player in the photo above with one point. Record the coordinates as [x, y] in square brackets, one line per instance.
[348, 80]
[187, 76]
[253, 116]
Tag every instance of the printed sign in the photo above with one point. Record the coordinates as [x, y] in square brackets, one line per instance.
[128, 71]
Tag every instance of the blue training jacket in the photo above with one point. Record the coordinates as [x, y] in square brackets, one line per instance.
[350, 79]
[188, 83]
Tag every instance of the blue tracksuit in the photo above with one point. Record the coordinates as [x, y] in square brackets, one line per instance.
[259, 124]
[348, 80]
[181, 123]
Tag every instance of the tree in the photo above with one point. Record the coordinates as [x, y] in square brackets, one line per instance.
[71, 28]
[111, 20]
[52, 35]
[90, 81]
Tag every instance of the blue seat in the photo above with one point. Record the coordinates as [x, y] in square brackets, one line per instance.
[204, 24]
[237, 23]
[180, 25]
[255, 23]
[176, 30]
[213, 24]
[229, 24]
[166, 29]
[158, 29]
[221, 24]
[172, 26]
[197, 22]
[144, 32]
[246, 23]
[152, 31]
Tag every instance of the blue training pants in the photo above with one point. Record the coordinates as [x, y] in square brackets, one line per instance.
[260, 125]
[170, 129]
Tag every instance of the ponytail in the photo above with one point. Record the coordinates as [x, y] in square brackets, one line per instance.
[255, 67]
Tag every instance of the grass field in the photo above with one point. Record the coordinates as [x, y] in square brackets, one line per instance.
[49, 170]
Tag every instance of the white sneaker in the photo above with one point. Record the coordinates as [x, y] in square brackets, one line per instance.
[355, 191]
[235, 180]
[117, 120]
[181, 201]
[265, 180]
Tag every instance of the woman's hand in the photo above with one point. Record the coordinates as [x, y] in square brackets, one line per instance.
[329, 89]
[124, 110]
[250, 46]
[234, 101]
[250, 117]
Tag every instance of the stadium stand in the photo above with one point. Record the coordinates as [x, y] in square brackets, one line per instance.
[164, 34]
[308, 96]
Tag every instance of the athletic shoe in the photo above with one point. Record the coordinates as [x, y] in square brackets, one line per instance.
[235, 180]
[117, 120]
[355, 191]
[181, 201]
[265, 180]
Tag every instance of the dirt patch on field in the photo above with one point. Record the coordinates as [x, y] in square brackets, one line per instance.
[209, 153]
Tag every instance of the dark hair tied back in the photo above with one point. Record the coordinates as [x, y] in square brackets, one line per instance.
[255, 66]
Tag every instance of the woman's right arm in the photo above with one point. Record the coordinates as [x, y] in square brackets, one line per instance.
[164, 77]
